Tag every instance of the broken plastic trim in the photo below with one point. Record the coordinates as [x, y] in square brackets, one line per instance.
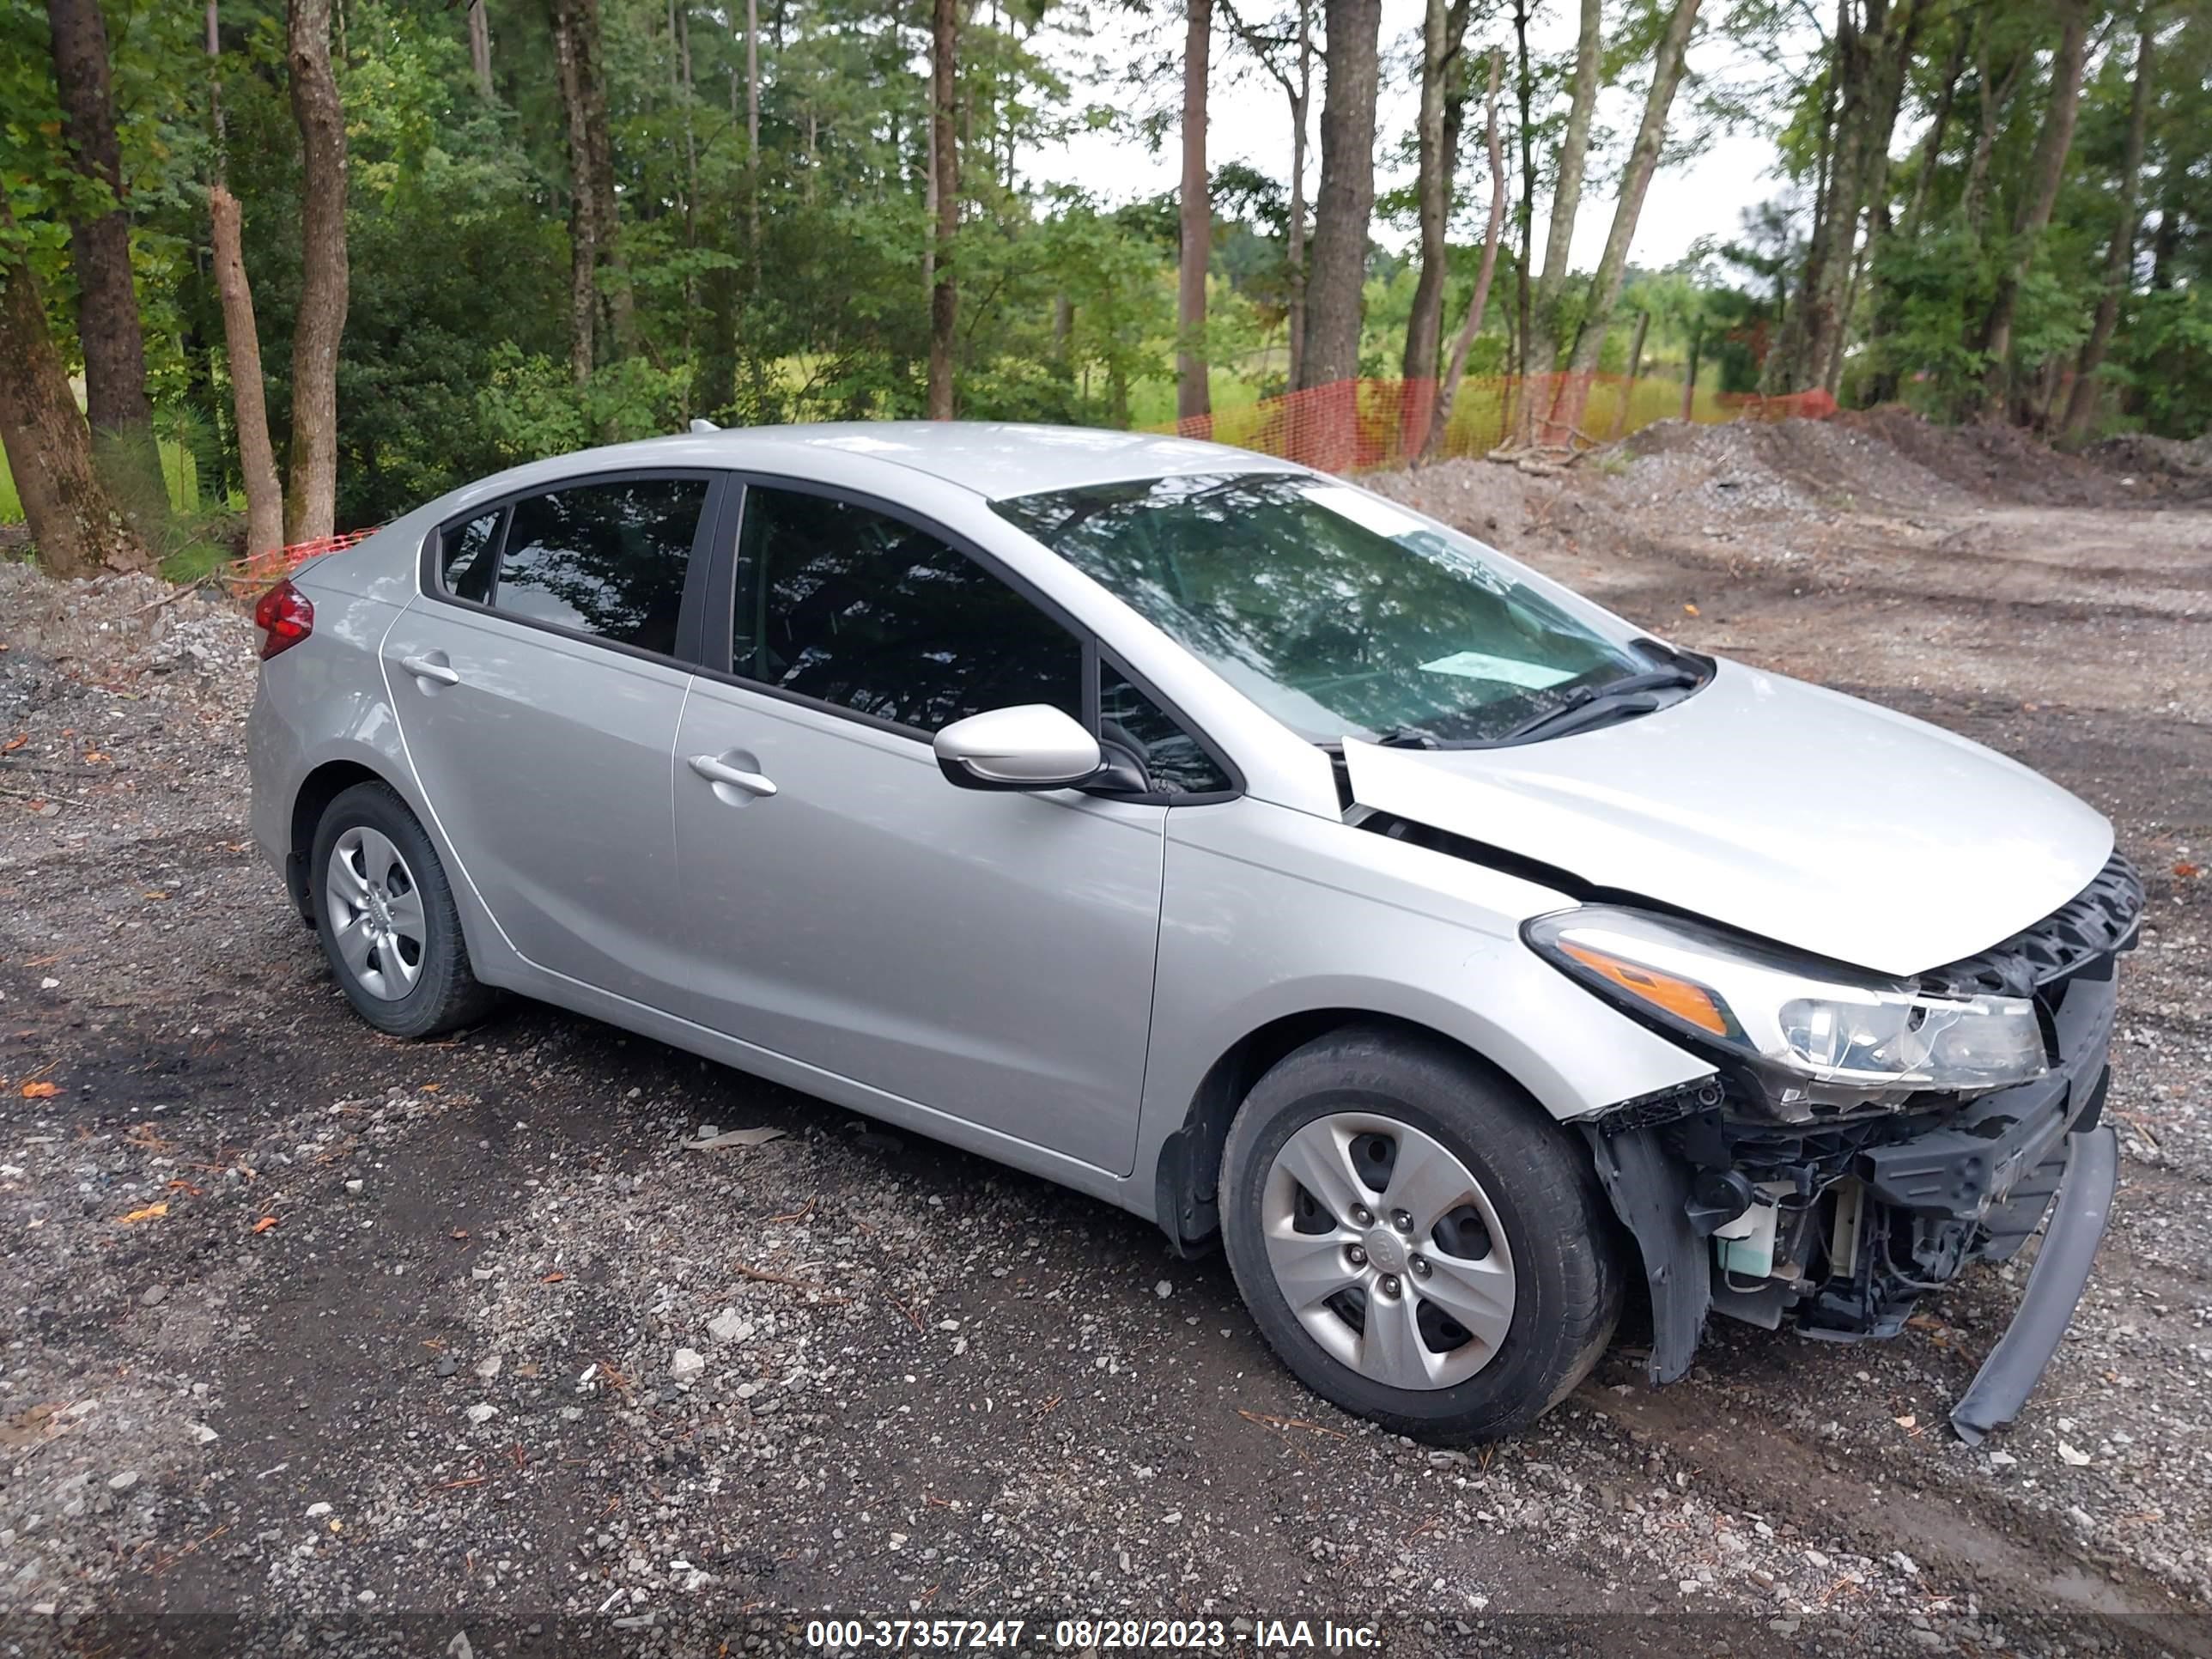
[2054, 1285]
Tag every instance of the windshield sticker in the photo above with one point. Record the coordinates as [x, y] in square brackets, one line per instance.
[1363, 510]
[1507, 671]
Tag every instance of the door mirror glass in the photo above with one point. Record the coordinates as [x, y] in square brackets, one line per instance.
[1030, 746]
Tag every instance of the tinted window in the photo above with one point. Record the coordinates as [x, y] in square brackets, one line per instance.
[464, 556]
[604, 558]
[1334, 610]
[1176, 762]
[852, 607]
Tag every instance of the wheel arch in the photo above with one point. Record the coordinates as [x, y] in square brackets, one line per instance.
[322, 786]
[1187, 1175]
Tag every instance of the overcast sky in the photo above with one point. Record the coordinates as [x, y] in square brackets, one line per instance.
[1251, 123]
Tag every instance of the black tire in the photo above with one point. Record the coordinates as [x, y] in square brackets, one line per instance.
[445, 995]
[1564, 1244]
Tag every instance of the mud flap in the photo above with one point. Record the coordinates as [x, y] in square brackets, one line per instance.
[1650, 1188]
[2054, 1285]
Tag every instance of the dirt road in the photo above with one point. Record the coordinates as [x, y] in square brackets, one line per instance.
[385, 1344]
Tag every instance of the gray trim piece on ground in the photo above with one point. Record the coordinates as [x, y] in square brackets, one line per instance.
[2054, 1285]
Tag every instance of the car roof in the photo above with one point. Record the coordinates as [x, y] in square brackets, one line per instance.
[994, 459]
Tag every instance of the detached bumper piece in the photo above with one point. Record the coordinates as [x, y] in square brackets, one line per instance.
[1838, 1227]
[2054, 1285]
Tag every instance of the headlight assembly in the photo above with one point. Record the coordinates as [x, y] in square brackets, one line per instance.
[1814, 1034]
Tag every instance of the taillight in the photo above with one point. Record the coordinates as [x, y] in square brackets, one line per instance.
[285, 616]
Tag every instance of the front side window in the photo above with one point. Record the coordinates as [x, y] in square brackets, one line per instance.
[1174, 761]
[607, 559]
[850, 606]
[1337, 612]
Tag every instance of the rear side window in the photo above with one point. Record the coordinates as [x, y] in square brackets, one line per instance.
[850, 606]
[607, 559]
[465, 552]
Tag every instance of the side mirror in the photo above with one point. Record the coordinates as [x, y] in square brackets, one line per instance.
[1032, 746]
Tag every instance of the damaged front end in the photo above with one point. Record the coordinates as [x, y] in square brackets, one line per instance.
[1834, 1207]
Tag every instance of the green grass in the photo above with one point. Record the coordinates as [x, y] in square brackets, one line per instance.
[179, 471]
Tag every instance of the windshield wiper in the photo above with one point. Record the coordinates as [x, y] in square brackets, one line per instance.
[1406, 736]
[1629, 694]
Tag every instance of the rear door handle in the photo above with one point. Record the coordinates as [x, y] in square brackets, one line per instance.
[436, 669]
[715, 770]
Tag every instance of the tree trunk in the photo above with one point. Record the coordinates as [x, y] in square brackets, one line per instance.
[74, 523]
[583, 222]
[1894, 35]
[1931, 142]
[265, 497]
[944, 295]
[1443, 28]
[1690, 374]
[1193, 397]
[1643, 162]
[311, 500]
[1993, 99]
[2046, 171]
[1635, 372]
[1335, 289]
[108, 328]
[752, 139]
[480, 48]
[598, 293]
[2120, 258]
[1567, 192]
[1480, 301]
[1301, 97]
[1525, 216]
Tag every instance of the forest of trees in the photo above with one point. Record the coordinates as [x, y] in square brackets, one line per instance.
[274, 268]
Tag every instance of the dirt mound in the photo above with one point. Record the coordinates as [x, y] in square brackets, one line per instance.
[2168, 462]
[1757, 468]
[1997, 462]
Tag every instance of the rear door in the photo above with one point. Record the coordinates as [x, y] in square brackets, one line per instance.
[540, 678]
[986, 955]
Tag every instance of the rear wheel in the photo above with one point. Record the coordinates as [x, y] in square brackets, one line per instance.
[1419, 1244]
[384, 914]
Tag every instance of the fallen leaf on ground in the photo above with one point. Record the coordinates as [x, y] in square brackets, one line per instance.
[14, 743]
[2185, 870]
[265, 1223]
[1690, 610]
[152, 894]
[552, 1277]
[151, 1212]
[40, 1090]
[734, 1138]
[431, 1088]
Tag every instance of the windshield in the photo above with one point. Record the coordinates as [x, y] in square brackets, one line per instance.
[1334, 610]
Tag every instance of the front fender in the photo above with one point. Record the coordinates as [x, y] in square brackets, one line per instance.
[1269, 913]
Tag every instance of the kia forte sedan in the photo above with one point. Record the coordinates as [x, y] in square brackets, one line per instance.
[1231, 843]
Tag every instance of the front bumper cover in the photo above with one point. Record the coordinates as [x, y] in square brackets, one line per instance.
[1869, 1213]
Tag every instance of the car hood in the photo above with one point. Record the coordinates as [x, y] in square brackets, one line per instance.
[1793, 813]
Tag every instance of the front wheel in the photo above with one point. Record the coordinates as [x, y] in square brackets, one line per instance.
[1416, 1242]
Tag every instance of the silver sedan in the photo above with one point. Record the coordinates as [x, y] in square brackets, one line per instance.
[1227, 842]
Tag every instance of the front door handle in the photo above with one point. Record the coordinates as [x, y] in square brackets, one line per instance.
[435, 669]
[716, 770]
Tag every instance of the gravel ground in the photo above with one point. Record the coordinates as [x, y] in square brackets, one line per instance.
[465, 1347]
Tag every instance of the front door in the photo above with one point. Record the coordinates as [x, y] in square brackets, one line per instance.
[986, 955]
[538, 693]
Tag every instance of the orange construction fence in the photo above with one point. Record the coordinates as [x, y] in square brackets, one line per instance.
[1359, 426]
[258, 572]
